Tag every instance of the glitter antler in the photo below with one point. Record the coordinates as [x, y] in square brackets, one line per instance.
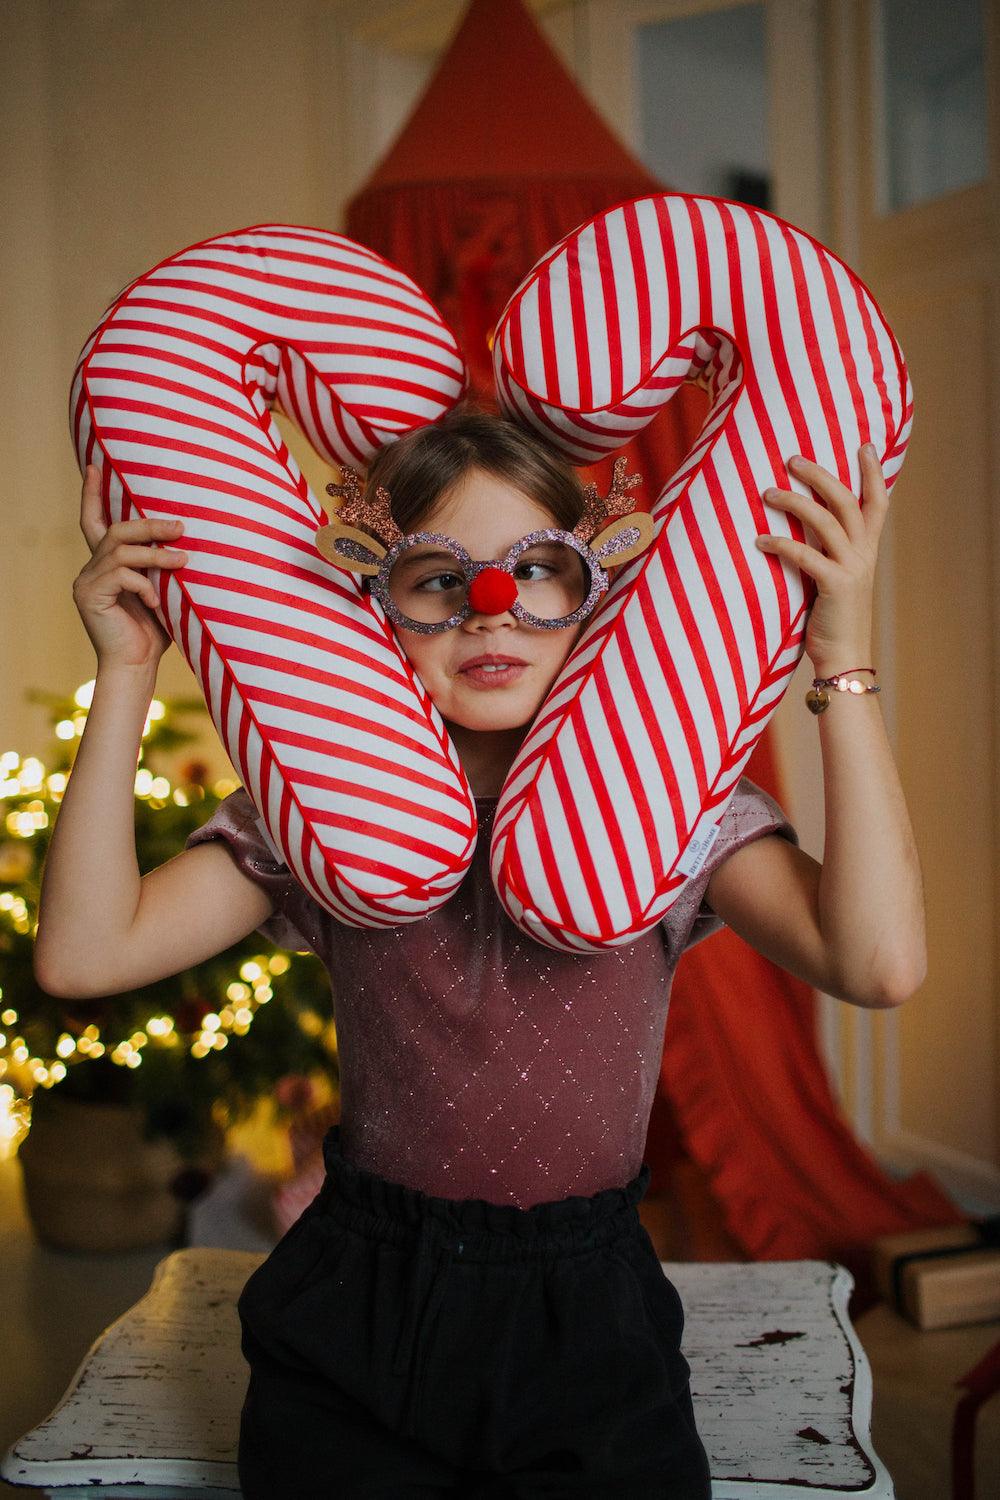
[615, 503]
[373, 516]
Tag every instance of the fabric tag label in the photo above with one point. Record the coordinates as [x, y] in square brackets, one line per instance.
[698, 846]
[279, 857]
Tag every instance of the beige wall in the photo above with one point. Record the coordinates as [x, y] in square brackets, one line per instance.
[935, 1065]
[133, 127]
[128, 129]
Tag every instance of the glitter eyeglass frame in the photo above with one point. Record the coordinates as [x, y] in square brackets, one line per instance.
[471, 568]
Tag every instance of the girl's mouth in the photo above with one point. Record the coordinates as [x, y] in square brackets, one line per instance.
[493, 675]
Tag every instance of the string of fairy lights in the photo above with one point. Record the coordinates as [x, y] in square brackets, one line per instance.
[21, 1072]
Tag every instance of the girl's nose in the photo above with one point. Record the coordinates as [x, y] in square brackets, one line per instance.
[493, 592]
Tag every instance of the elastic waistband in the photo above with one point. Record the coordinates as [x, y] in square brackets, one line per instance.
[493, 1231]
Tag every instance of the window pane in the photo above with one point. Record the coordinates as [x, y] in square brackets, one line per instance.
[934, 98]
[703, 103]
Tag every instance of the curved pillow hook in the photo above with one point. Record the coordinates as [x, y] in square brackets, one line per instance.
[619, 787]
[335, 738]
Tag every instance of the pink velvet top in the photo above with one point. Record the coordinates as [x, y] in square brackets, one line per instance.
[474, 1061]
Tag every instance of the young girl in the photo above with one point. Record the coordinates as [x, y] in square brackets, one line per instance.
[471, 1306]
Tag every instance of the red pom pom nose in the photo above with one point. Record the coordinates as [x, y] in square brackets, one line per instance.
[493, 592]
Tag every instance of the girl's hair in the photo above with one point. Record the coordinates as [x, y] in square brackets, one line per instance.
[418, 468]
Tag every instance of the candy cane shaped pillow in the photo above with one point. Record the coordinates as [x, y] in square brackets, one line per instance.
[619, 787]
[335, 738]
[611, 803]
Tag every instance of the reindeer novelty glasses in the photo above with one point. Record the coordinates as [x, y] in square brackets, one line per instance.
[427, 582]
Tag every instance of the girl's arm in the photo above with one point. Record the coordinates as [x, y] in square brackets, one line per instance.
[852, 926]
[102, 929]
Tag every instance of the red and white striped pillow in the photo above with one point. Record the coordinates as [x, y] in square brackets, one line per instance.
[618, 790]
[612, 802]
[335, 738]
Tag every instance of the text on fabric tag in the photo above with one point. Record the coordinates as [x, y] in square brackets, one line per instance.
[697, 848]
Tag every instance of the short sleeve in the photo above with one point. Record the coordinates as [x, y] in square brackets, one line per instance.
[237, 822]
[750, 814]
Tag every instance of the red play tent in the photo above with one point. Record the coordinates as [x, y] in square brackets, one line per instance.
[501, 158]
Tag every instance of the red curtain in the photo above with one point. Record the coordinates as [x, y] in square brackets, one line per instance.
[501, 158]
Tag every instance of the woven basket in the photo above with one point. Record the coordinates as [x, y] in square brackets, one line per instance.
[91, 1182]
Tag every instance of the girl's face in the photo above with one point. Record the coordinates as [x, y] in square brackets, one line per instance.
[487, 516]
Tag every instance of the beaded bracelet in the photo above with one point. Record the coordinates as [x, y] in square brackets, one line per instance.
[818, 700]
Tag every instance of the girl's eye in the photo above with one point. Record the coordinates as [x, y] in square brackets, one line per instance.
[447, 580]
[546, 571]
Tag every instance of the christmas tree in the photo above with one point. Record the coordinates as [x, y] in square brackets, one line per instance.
[195, 1051]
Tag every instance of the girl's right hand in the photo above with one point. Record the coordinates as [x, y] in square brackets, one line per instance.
[115, 600]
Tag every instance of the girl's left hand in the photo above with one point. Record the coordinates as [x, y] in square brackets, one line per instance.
[839, 632]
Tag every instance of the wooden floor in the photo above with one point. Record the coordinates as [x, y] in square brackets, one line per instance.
[58, 1302]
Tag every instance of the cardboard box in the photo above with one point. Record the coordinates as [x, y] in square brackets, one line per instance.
[941, 1278]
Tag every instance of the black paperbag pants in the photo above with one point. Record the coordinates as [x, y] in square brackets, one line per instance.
[402, 1345]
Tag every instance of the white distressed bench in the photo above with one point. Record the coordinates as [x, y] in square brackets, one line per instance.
[781, 1387]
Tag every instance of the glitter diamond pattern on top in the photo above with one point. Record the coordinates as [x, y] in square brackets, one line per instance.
[475, 1062]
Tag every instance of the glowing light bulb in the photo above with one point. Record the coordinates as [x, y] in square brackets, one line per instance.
[32, 774]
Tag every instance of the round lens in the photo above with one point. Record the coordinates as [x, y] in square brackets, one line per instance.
[552, 579]
[427, 583]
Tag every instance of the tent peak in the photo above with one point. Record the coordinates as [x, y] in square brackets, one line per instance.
[501, 104]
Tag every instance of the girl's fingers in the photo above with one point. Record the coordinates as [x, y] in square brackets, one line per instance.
[823, 569]
[101, 592]
[91, 517]
[874, 492]
[102, 538]
[840, 500]
[143, 557]
[142, 530]
[826, 526]
[131, 582]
